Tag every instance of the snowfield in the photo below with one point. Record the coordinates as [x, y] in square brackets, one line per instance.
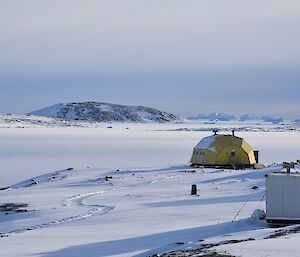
[125, 191]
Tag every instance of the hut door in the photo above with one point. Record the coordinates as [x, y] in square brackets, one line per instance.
[233, 156]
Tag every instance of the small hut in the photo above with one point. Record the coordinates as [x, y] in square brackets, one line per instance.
[282, 197]
[224, 151]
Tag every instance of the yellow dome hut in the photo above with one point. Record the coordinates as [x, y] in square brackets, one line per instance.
[226, 151]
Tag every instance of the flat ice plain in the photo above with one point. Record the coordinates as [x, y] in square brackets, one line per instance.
[128, 191]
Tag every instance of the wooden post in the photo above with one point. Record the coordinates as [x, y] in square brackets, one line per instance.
[194, 190]
[256, 155]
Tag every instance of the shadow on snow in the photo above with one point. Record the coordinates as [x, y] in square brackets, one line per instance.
[148, 242]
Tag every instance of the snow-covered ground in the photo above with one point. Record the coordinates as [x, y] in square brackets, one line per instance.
[128, 193]
[33, 121]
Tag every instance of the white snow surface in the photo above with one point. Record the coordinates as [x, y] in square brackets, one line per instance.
[129, 192]
[50, 111]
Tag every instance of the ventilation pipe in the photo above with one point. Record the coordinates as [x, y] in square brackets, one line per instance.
[288, 166]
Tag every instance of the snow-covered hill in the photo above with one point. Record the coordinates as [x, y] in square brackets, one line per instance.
[32, 121]
[105, 112]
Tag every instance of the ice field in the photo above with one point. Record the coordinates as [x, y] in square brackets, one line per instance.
[125, 191]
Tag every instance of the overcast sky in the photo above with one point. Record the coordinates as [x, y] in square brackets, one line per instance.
[186, 57]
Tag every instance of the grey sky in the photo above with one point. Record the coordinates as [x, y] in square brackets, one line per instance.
[183, 56]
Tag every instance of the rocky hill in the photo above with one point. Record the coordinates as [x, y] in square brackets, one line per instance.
[105, 112]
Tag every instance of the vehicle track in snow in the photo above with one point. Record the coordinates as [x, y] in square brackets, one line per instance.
[77, 200]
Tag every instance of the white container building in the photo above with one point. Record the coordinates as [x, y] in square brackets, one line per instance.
[283, 198]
